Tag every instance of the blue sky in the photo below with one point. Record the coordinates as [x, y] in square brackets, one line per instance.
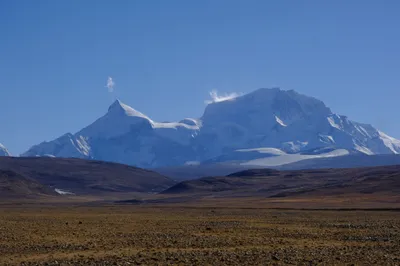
[165, 56]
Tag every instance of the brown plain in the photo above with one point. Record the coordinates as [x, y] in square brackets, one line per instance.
[179, 235]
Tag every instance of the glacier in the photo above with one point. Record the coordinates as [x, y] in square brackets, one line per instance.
[245, 129]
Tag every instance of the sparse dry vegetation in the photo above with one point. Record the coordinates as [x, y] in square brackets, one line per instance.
[155, 235]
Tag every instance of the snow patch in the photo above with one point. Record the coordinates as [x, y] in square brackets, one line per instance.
[279, 121]
[174, 125]
[83, 146]
[272, 151]
[364, 150]
[362, 130]
[215, 98]
[294, 147]
[327, 139]
[4, 151]
[63, 192]
[333, 123]
[392, 143]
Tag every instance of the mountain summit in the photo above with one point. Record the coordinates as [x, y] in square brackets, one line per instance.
[261, 124]
[122, 109]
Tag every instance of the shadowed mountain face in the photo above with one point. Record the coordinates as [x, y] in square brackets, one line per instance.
[17, 186]
[268, 127]
[274, 183]
[84, 177]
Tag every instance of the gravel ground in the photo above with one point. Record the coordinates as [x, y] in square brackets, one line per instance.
[135, 235]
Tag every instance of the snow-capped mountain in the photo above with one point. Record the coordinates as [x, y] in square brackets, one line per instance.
[266, 122]
[4, 151]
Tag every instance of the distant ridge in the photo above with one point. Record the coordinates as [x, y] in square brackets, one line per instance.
[16, 186]
[83, 177]
[367, 182]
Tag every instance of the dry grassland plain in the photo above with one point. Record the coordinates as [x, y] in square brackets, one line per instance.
[172, 235]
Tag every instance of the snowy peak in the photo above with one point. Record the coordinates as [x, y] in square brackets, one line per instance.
[119, 120]
[122, 109]
[289, 106]
[266, 116]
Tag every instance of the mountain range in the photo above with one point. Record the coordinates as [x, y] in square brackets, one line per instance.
[267, 127]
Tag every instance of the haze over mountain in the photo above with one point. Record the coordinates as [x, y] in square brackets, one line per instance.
[266, 127]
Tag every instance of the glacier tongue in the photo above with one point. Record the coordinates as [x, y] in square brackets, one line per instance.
[283, 122]
[291, 158]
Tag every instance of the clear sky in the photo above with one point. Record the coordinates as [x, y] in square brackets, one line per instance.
[165, 56]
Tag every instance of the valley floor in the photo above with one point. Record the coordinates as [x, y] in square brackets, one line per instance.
[172, 235]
